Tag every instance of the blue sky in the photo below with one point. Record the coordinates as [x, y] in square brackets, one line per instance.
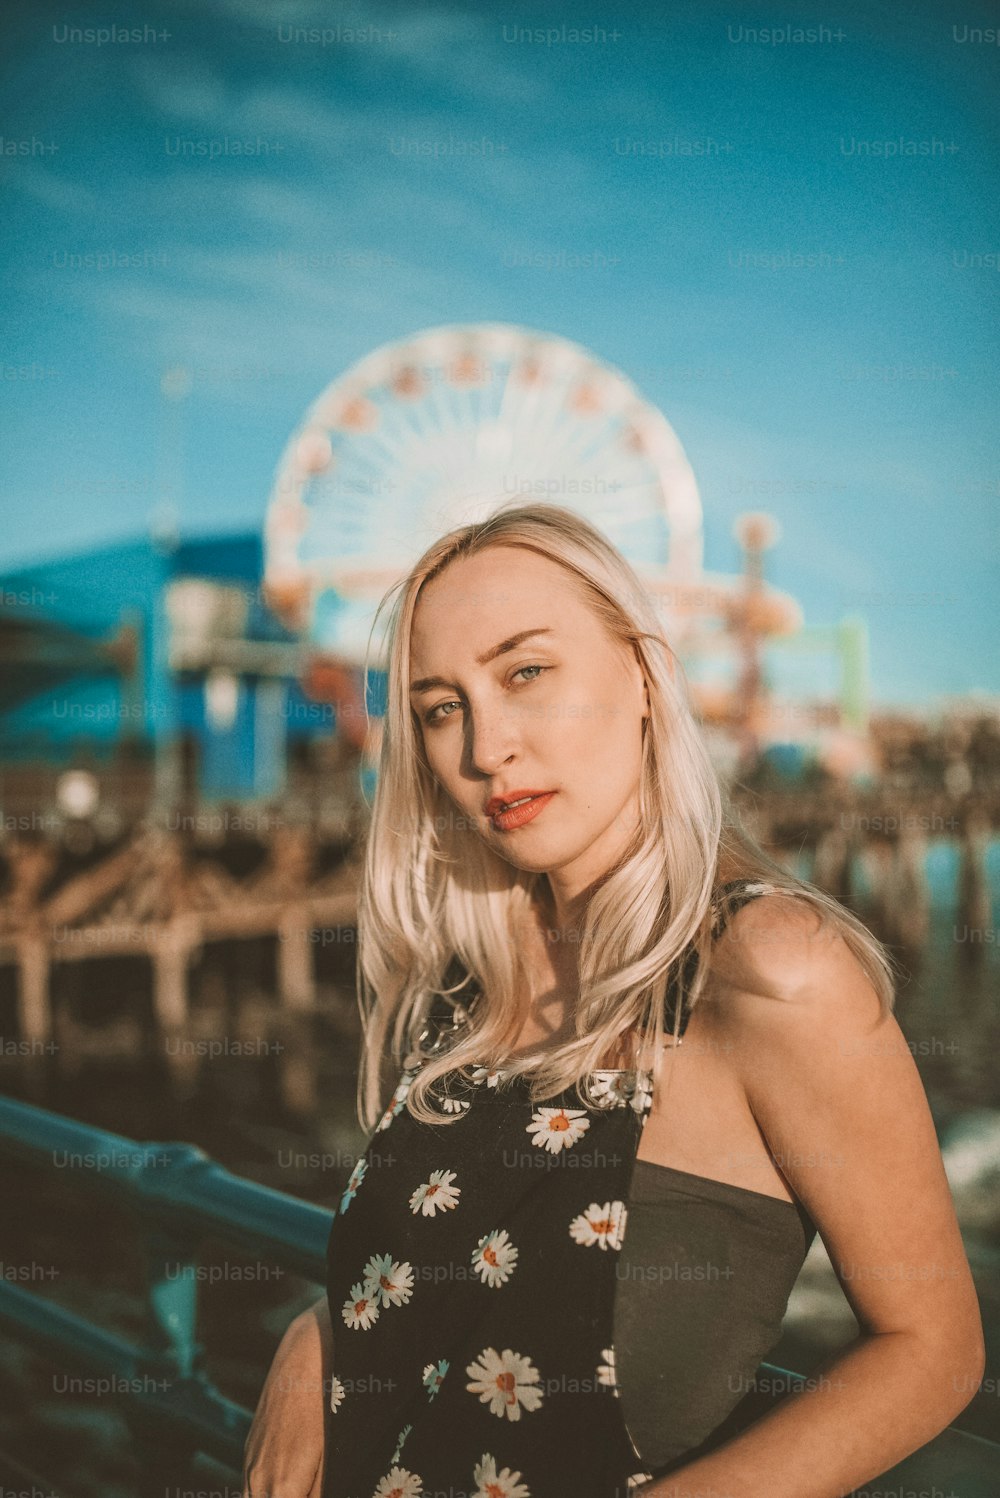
[685, 151]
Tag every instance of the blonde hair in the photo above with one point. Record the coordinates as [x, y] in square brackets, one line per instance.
[435, 897]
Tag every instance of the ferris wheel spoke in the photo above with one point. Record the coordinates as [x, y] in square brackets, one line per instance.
[380, 447]
[450, 419]
[383, 472]
[511, 412]
[570, 446]
[577, 447]
[537, 433]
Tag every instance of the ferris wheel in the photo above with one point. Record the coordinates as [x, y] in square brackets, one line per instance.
[436, 430]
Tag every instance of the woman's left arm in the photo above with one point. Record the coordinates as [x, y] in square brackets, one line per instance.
[837, 1096]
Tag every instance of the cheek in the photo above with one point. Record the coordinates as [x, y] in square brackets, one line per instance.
[601, 750]
[444, 756]
[441, 764]
[437, 762]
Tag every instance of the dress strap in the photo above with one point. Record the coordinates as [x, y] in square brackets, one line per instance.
[726, 901]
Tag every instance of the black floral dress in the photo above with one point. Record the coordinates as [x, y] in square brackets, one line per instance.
[471, 1279]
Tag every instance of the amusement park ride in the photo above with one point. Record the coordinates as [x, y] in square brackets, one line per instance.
[435, 430]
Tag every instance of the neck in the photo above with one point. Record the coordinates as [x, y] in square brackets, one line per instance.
[559, 913]
[552, 942]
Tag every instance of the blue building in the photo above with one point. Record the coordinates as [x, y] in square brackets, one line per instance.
[163, 650]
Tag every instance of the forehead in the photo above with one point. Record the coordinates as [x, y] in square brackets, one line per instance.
[498, 587]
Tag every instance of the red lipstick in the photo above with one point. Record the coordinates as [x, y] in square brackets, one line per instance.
[506, 816]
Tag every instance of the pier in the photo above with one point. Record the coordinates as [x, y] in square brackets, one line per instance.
[171, 900]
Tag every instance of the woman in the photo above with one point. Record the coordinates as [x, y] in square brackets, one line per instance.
[642, 1065]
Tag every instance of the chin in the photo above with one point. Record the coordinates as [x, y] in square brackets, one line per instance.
[547, 859]
[540, 865]
[538, 861]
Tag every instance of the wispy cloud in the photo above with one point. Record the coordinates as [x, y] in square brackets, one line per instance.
[52, 189]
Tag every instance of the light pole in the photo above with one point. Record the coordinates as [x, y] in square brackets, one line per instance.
[756, 532]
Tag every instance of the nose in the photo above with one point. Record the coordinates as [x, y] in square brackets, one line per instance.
[492, 738]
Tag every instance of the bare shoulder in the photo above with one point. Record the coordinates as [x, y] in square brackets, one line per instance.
[835, 1092]
[785, 992]
[783, 948]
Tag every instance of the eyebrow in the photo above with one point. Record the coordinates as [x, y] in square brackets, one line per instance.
[425, 683]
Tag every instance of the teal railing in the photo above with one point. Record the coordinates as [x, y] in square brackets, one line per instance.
[182, 1197]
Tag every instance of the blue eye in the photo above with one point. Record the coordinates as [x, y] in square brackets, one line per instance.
[432, 718]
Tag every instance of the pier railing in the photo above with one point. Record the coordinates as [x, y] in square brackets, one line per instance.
[182, 1197]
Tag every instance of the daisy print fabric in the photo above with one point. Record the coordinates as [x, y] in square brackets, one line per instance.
[471, 1278]
[471, 1285]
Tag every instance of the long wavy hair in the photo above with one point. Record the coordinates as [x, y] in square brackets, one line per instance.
[438, 908]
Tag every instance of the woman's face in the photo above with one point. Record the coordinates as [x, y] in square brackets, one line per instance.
[557, 712]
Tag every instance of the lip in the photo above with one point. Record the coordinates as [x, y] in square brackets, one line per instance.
[519, 816]
[497, 803]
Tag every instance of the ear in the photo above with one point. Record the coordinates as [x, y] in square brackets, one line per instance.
[645, 684]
